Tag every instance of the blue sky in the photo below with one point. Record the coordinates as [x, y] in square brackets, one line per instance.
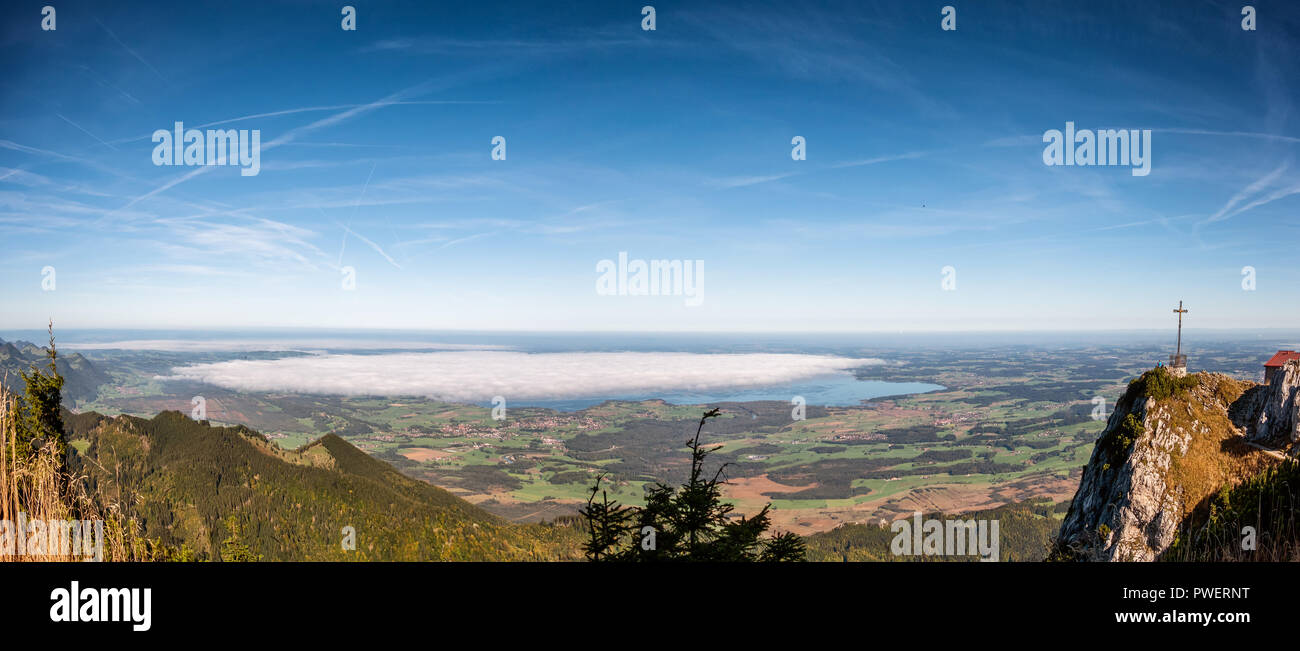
[924, 150]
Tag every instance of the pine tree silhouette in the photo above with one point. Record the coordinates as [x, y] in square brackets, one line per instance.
[689, 523]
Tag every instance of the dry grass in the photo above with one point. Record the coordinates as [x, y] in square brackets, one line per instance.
[39, 487]
[1216, 454]
[1219, 464]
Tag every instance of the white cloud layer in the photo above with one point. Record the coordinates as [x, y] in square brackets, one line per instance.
[248, 346]
[477, 376]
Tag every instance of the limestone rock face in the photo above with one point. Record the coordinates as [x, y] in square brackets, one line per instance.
[1278, 409]
[1128, 512]
[1160, 459]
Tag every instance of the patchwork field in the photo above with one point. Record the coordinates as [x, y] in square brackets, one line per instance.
[1012, 424]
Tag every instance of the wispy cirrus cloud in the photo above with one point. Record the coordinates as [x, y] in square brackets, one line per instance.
[1254, 135]
[729, 182]
[432, 44]
[1253, 195]
[249, 240]
[876, 160]
[130, 51]
[306, 109]
[807, 43]
[297, 132]
[371, 244]
[54, 155]
[83, 130]
[746, 181]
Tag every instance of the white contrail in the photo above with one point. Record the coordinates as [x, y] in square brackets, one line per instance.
[132, 52]
[1250, 190]
[288, 137]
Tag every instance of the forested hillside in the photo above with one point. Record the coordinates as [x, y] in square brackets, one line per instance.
[206, 492]
[1025, 531]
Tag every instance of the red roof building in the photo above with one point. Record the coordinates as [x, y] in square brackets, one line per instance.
[1276, 362]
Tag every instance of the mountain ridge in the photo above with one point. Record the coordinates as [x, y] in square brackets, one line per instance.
[81, 378]
[198, 489]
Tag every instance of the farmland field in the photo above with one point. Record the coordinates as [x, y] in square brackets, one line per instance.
[1010, 423]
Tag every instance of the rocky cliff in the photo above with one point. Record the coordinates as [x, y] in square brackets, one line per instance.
[1170, 446]
[1275, 410]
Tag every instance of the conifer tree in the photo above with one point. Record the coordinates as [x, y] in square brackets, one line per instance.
[41, 419]
[608, 524]
[689, 523]
[233, 547]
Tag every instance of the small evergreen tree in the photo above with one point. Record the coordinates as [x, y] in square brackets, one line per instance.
[608, 524]
[690, 523]
[233, 548]
[41, 419]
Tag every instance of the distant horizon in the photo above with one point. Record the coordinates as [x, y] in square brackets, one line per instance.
[305, 329]
[295, 338]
